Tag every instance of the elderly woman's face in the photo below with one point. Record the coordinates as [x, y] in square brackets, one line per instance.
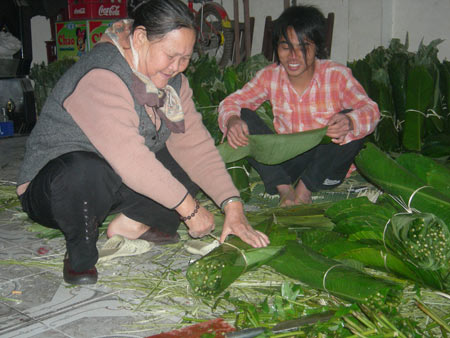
[164, 58]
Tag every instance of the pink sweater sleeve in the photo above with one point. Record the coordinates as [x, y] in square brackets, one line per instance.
[103, 108]
[197, 155]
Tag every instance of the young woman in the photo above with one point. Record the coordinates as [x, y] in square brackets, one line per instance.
[120, 134]
[306, 92]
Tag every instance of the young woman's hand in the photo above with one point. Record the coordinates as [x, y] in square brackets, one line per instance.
[236, 224]
[338, 127]
[237, 132]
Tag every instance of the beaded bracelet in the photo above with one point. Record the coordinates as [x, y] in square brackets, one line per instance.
[197, 206]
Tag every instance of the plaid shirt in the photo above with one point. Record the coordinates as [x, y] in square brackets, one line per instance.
[332, 89]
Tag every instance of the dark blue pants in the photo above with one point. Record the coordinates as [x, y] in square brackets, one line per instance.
[323, 167]
[77, 191]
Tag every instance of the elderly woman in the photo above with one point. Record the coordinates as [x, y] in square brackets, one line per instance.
[120, 134]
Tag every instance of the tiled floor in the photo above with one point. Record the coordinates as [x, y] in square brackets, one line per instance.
[36, 302]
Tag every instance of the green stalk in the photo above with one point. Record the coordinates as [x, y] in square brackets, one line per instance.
[431, 314]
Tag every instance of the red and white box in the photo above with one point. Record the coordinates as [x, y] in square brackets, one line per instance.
[79, 9]
[97, 9]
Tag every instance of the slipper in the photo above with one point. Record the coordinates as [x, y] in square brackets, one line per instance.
[119, 246]
[198, 247]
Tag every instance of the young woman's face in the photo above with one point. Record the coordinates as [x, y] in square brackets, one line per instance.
[164, 58]
[296, 64]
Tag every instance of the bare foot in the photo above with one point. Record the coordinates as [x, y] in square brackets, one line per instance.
[126, 227]
[302, 194]
[287, 195]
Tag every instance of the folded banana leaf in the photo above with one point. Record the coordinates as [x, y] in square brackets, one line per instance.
[415, 245]
[393, 178]
[335, 246]
[422, 239]
[300, 262]
[274, 148]
[213, 273]
[428, 170]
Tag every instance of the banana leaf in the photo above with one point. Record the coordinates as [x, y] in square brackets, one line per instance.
[437, 145]
[213, 273]
[391, 177]
[273, 149]
[333, 245]
[398, 72]
[299, 217]
[362, 233]
[419, 97]
[299, 262]
[363, 73]
[428, 170]
[240, 177]
[386, 134]
[423, 241]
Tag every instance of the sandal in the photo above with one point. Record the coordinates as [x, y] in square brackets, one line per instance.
[198, 247]
[119, 246]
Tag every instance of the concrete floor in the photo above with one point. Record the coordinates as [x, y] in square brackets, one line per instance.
[36, 302]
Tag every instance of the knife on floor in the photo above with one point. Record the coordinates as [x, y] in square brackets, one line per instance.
[285, 326]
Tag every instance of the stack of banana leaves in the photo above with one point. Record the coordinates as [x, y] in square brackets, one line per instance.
[326, 246]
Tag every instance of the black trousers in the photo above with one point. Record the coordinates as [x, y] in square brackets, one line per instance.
[323, 167]
[77, 191]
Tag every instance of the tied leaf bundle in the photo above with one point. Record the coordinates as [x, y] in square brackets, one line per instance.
[422, 239]
[299, 262]
[397, 180]
[415, 246]
[214, 272]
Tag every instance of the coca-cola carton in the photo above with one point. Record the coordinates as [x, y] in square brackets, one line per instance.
[109, 9]
[97, 9]
[79, 9]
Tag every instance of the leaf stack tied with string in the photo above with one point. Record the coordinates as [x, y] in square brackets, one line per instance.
[383, 237]
[423, 240]
[407, 183]
[409, 239]
[214, 272]
[301, 263]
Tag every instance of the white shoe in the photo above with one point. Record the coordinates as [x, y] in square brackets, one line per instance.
[119, 246]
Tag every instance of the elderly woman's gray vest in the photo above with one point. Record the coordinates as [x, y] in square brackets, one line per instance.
[56, 133]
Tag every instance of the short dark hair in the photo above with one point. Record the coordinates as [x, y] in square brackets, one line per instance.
[160, 17]
[308, 23]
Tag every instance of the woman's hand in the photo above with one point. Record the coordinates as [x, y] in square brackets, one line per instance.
[338, 127]
[201, 223]
[236, 224]
[237, 132]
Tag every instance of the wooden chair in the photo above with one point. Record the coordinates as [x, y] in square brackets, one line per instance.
[267, 48]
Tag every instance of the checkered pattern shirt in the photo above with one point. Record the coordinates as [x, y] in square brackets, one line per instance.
[331, 90]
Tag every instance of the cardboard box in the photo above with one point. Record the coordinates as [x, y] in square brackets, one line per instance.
[97, 9]
[109, 9]
[79, 9]
[71, 39]
[96, 28]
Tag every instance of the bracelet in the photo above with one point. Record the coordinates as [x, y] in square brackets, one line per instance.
[187, 218]
[229, 200]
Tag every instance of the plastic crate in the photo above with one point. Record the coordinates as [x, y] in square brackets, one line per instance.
[6, 129]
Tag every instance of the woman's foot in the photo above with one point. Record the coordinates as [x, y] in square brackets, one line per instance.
[302, 194]
[126, 227]
[287, 195]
